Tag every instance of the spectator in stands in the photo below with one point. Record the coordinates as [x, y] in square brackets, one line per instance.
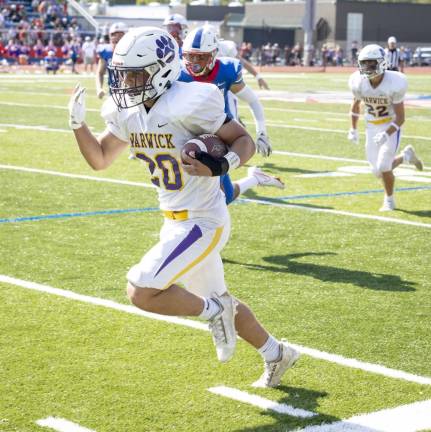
[88, 51]
[51, 63]
[339, 56]
[354, 52]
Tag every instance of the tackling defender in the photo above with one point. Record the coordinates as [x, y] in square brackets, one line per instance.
[382, 92]
[201, 64]
[155, 114]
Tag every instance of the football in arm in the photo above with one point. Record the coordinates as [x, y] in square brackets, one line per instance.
[208, 143]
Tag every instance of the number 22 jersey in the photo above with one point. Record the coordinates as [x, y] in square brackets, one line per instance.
[379, 102]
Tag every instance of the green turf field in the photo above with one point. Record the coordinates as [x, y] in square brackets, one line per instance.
[317, 262]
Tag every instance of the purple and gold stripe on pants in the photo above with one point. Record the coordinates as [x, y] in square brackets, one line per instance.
[192, 237]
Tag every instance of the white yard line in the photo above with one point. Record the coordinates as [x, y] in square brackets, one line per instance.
[316, 129]
[260, 402]
[28, 105]
[61, 425]
[263, 202]
[340, 212]
[77, 176]
[405, 418]
[334, 358]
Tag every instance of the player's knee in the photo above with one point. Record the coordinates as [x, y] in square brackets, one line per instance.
[140, 297]
[384, 166]
[375, 170]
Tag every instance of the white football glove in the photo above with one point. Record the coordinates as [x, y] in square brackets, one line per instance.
[353, 136]
[263, 145]
[77, 107]
[381, 138]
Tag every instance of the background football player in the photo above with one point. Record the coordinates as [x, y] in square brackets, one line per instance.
[201, 64]
[116, 32]
[144, 69]
[383, 94]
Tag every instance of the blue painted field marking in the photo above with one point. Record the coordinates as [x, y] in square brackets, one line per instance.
[336, 194]
[78, 214]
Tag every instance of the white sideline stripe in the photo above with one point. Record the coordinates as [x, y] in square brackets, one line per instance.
[378, 369]
[28, 105]
[263, 202]
[311, 128]
[260, 402]
[339, 212]
[275, 125]
[314, 156]
[368, 367]
[78, 176]
[101, 302]
[62, 425]
[405, 418]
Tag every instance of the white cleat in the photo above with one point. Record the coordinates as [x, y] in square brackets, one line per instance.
[264, 179]
[411, 157]
[388, 205]
[275, 370]
[222, 326]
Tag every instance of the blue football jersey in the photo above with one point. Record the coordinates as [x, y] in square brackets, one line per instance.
[226, 72]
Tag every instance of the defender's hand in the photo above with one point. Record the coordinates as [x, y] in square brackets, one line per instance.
[77, 107]
[263, 145]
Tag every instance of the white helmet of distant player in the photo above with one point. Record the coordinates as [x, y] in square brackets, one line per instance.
[177, 26]
[116, 32]
[200, 50]
[371, 61]
[144, 65]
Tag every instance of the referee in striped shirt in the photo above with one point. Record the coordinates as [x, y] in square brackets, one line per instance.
[393, 55]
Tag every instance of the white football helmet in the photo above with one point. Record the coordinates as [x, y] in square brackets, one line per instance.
[177, 26]
[144, 65]
[377, 66]
[200, 50]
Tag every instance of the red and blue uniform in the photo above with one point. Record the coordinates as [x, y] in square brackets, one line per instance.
[225, 73]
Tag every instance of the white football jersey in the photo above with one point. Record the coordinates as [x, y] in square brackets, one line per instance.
[379, 102]
[157, 137]
[227, 48]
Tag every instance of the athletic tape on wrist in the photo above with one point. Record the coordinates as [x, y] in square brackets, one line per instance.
[395, 126]
[232, 159]
[353, 114]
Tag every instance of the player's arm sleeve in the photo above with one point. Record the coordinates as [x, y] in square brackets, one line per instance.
[208, 114]
[400, 94]
[114, 123]
[249, 96]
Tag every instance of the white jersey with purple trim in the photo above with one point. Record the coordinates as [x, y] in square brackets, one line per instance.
[227, 48]
[157, 137]
[379, 102]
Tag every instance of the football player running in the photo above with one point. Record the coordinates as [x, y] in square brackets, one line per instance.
[201, 64]
[155, 115]
[116, 32]
[383, 93]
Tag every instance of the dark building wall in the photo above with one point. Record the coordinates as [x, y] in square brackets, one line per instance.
[211, 13]
[408, 22]
[261, 36]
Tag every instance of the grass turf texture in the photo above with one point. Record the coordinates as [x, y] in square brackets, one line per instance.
[354, 287]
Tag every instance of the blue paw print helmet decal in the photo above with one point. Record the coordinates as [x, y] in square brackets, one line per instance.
[165, 49]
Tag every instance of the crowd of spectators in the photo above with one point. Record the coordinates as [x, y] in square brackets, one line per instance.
[39, 31]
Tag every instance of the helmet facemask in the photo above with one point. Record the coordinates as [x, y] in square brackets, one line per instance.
[199, 63]
[133, 86]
